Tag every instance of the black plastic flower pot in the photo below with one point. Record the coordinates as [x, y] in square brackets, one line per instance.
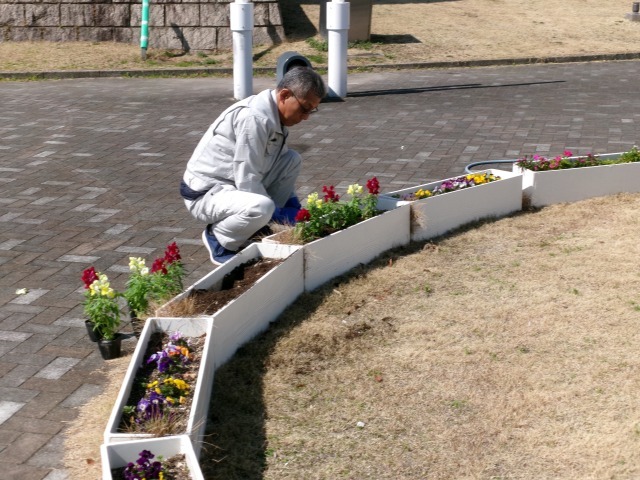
[110, 349]
[94, 335]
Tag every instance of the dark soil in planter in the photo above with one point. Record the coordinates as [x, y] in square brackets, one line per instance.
[234, 284]
[148, 372]
[175, 468]
[136, 324]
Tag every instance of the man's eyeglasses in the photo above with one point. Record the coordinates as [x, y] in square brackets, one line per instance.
[305, 110]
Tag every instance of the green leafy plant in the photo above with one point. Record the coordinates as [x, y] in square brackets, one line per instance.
[138, 286]
[320, 45]
[538, 163]
[317, 58]
[631, 156]
[167, 274]
[101, 303]
[157, 284]
[363, 44]
[324, 216]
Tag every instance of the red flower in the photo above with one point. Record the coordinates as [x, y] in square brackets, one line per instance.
[373, 186]
[303, 215]
[159, 266]
[89, 276]
[330, 194]
[172, 253]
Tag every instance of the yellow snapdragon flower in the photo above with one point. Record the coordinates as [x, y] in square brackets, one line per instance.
[102, 287]
[354, 189]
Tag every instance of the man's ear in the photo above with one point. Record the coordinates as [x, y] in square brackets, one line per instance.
[284, 94]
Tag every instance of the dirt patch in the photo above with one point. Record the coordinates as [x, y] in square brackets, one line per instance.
[401, 32]
[234, 284]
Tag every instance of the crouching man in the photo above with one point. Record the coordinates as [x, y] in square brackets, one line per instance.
[242, 175]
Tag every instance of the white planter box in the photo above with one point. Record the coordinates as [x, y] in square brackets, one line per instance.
[118, 455]
[442, 213]
[248, 315]
[339, 252]
[190, 327]
[574, 184]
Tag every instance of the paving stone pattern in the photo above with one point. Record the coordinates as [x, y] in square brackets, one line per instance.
[89, 173]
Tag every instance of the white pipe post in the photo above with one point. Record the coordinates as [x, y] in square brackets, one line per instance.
[338, 33]
[241, 21]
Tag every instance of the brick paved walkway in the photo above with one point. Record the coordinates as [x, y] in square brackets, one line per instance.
[89, 172]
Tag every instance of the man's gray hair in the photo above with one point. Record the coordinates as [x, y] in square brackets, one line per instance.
[302, 81]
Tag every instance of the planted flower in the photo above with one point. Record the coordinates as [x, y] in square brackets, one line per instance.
[547, 181]
[101, 304]
[146, 468]
[326, 215]
[451, 185]
[162, 396]
[156, 284]
[538, 163]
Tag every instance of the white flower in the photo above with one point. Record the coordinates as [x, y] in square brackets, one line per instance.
[137, 265]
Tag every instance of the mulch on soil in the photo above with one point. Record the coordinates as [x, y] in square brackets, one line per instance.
[234, 284]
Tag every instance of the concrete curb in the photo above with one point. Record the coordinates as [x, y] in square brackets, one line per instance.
[268, 71]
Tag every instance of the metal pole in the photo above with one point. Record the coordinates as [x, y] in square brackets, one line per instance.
[242, 27]
[144, 29]
[338, 33]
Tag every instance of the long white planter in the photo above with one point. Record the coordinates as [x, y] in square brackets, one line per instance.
[442, 213]
[339, 252]
[118, 455]
[190, 327]
[573, 184]
[249, 314]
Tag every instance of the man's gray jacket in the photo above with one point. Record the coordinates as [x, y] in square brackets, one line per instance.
[244, 148]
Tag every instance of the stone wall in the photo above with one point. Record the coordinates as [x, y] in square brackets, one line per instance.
[173, 24]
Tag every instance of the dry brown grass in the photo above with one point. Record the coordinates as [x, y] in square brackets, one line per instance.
[85, 434]
[507, 350]
[504, 351]
[432, 30]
